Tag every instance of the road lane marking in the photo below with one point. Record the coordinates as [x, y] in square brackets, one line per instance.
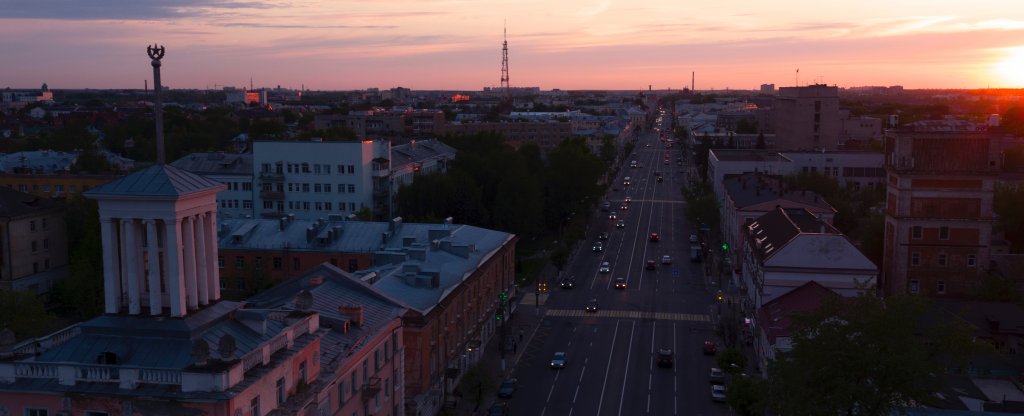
[608, 368]
[660, 316]
[625, 376]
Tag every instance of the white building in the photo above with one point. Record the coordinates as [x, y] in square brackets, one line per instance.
[234, 171]
[786, 248]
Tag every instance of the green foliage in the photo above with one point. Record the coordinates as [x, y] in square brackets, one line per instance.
[266, 129]
[1012, 120]
[747, 396]
[701, 206]
[863, 355]
[559, 257]
[25, 314]
[336, 133]
[732, 361]
[80, 295]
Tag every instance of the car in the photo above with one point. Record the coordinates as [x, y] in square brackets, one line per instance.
[651, 265]
[716, 376]
[620, 224]
[613, 215]
[660, 179]
[664, 357]
[507, 388]
[693, 238]
[655, 237]
[591, 305]
[666, 259]
[605, 267]
[624, 207]
[625, 183]
[605, 206]
[598, 247]
[498, 409]
[558, 360]
[620, 283]
[710, 348]
[718, 393]
[568, 283]
[603, 235]
[633, 164]
[628, 200]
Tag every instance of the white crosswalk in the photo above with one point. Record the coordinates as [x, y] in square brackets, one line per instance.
[667, 316]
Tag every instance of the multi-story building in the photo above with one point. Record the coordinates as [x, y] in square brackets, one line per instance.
[361, 346]
[855, 132]
[314, 179]
[938, 211]
[235, 171]
[455, 281]
[774, 326]
[748, 196]
[33, 242]
[786, 248]
[806, 118]
[167, 343]
[54, 185]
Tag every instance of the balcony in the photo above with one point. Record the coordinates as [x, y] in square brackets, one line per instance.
[272, 195]
[371, 387]
[271, 177]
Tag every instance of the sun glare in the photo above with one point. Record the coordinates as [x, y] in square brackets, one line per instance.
[1011, 67]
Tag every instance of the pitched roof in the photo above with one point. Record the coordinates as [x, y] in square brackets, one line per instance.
[775, 317]
[216, 163]
[772, 231]
[156, 181]
[753, 188]
[15, 204]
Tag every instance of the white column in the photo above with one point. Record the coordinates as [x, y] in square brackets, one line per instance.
[172, 255]
[202, 275]
[212, 270]
[111, 267]
[130, 262]
[189, 258]
[153, 252]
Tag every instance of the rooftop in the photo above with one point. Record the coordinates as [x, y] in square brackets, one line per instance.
[418, 151]
[216, 163]
[748, 155]
[15, 204]
[754, 188]
[775, 317]
[156, 181]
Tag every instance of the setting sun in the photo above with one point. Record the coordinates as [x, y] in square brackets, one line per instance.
[1011, 67]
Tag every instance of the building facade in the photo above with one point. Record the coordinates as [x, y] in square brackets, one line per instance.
[235, 171]
[806, 118]
[33, 242]
[938, 211]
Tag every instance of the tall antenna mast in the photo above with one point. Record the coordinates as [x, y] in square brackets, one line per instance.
[504, 63]
[156, 53]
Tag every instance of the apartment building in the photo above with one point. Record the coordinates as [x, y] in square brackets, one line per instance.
[806, 118]
[34, 242]
[938, 212]
[234, 170]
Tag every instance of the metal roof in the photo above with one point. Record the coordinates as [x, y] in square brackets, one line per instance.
[156, 181]
[216, 163]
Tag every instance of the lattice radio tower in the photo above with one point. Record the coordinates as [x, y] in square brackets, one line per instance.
[504, 64]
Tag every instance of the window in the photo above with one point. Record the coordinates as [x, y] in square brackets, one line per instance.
[327, 187]
[376, 360]
[35, 267]
[351, 188]
[353, 383]
[43, 223]
[59, 188]
[366, 370]
[944, 233]
[258, 263]
[295, 263]
[302, 368]
[940, 287]
[941, 259]
[341, 169]
[972, 260]
[915, 232]
[351, 169]
[254, 406]
[328, 206]
[35, 247]
[305, 168]
[914, 286]
[240, 262]
[36, 412]
[46, 264]
[341, 392]
[247, 203]
[305, 187]
[316, 168]
[282, 394]
[317, 188]
[277, 263]
[32, 226]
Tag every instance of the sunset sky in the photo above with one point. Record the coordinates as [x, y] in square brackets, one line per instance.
[567, 44]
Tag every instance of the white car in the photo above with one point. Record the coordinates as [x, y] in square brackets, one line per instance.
[605, 267]
[693, 238]
[717, 393]
[666, 259]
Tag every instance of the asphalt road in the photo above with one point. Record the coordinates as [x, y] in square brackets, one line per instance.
[611, 367]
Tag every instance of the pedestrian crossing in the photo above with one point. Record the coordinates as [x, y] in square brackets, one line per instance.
[665, 316]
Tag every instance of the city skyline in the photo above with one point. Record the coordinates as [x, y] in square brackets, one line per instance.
[456, 45]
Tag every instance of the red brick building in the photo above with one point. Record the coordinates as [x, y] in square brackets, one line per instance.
[938, 212]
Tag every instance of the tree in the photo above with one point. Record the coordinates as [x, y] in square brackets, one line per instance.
[747, 396]
[80, 295]
[732, 361]
[863, 356]
[25, 314]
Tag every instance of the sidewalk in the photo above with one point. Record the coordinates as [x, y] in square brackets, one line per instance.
[520, 329]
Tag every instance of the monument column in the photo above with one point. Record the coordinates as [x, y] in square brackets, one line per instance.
[173, 266]
[202, 276]
[189, 257]
[111, 275]
[153, 272]
[212, 268]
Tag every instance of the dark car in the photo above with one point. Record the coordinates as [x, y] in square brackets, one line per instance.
[665, 357]
[660, 179]
[498, 409]
[591, 306]
[655, 237]
[603, 235]
[710, 348]
[620, 224]
[568, 283]
[507, 388]
[620, 283]
[558, 360]
[598, 247]
[651, 265]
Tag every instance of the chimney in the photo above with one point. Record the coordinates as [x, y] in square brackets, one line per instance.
[354, 313]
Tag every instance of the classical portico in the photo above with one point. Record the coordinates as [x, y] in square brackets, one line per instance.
[158, 227]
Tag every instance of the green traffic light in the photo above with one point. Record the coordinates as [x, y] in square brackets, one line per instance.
[725, 247]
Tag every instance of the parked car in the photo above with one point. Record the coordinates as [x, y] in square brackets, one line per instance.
[507, 388]
[558, 360]
[718, 393]
[710, 348]
[716, 376]
[665, 357]
[620, 283]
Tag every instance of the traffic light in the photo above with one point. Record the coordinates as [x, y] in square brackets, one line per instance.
[499, 315]
[725, 247]
[504, 296]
